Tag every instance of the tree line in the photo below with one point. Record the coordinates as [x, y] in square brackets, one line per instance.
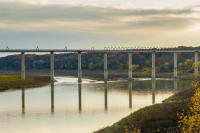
[141, 62]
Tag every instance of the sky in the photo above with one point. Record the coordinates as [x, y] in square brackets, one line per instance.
[84, 24]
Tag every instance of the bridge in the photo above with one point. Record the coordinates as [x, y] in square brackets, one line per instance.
[104, 51]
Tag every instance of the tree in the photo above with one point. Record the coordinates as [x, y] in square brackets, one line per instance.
[91, 66]
[166, 66]
[180, 66]
[188, 65]
[190, 122]
[147, 63]
[135, 66]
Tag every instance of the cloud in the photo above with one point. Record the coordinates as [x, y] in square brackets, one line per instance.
[18, 16]
[32, 12]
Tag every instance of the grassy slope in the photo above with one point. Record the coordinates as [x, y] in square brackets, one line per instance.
[183, 95]
[14, 82]
[156, 117]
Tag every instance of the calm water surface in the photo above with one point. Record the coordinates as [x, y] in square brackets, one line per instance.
[69, 107]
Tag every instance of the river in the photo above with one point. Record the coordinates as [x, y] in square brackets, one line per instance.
[69, 107]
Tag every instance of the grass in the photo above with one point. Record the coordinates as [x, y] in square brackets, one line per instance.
[9, 78]
[159, 117]
[15, 82]
[183, 95]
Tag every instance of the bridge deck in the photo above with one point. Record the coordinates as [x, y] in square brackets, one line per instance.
[101, 50]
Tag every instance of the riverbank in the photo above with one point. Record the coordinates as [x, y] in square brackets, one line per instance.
[155, 118]
[8, 82]
[99, 74]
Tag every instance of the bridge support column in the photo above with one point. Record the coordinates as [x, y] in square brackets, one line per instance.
[175, 65]
[153, 74]
[52, 66]
[196, 73]
[105, 67]
[130, 70]
[153, 77]
[22, 66]
[79, 68]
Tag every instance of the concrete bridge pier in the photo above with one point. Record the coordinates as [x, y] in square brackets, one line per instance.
[105, 67]
[196, 73]
[79, 82]
[175, 65]
[52, 66]
[130, 74]
[153, 77]
[153, 74]
[22, 66]
[79, 68]
[130, 70]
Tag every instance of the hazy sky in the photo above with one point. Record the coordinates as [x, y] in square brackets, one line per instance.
[99, 23]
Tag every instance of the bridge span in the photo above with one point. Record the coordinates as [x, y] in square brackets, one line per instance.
[106, 51]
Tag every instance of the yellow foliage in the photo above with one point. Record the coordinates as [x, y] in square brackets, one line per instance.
[131, 129]
[190, 122]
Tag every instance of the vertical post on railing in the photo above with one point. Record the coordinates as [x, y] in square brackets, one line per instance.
[196, 73]
[175, 65]
[130, 66]
[153, 75]
[22, 66]
[105, 67]
[52, 66]
[79, 67]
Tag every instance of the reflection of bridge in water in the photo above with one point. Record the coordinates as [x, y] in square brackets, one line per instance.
[130, 88]
[105, 52]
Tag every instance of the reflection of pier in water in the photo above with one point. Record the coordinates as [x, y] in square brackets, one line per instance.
[105, 94]
[79, 96]
[23, 100]
[175, 85]
[153, 82]
[106, 91]
[52, 97]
